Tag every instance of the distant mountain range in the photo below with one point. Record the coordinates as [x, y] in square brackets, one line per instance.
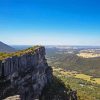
[6, 48]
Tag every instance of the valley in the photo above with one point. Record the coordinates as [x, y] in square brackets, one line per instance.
[86, 89]
[68, 60]
[77, 72]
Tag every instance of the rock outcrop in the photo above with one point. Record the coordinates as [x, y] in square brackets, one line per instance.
[25, 75]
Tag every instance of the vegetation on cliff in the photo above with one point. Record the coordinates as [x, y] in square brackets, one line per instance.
[4, 55]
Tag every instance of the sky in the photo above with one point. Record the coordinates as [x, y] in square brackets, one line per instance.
[50, 22]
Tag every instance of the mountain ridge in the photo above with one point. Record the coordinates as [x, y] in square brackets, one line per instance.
[6, 48]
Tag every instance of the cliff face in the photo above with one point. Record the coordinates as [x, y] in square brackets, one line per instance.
[25, 75]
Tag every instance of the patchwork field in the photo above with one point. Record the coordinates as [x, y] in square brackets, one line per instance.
[87, 88]
[77, 75]
[88, 55]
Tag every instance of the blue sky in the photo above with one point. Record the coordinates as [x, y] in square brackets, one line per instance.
[50, 22]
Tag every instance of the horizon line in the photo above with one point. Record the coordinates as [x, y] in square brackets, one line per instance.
[50, 45]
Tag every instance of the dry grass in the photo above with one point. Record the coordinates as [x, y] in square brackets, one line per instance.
[97, 80]
[18, 53]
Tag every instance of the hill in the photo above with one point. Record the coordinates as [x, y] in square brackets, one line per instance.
[90, 66]
[5, 48]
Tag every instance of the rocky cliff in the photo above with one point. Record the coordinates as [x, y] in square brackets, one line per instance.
[25, 74]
